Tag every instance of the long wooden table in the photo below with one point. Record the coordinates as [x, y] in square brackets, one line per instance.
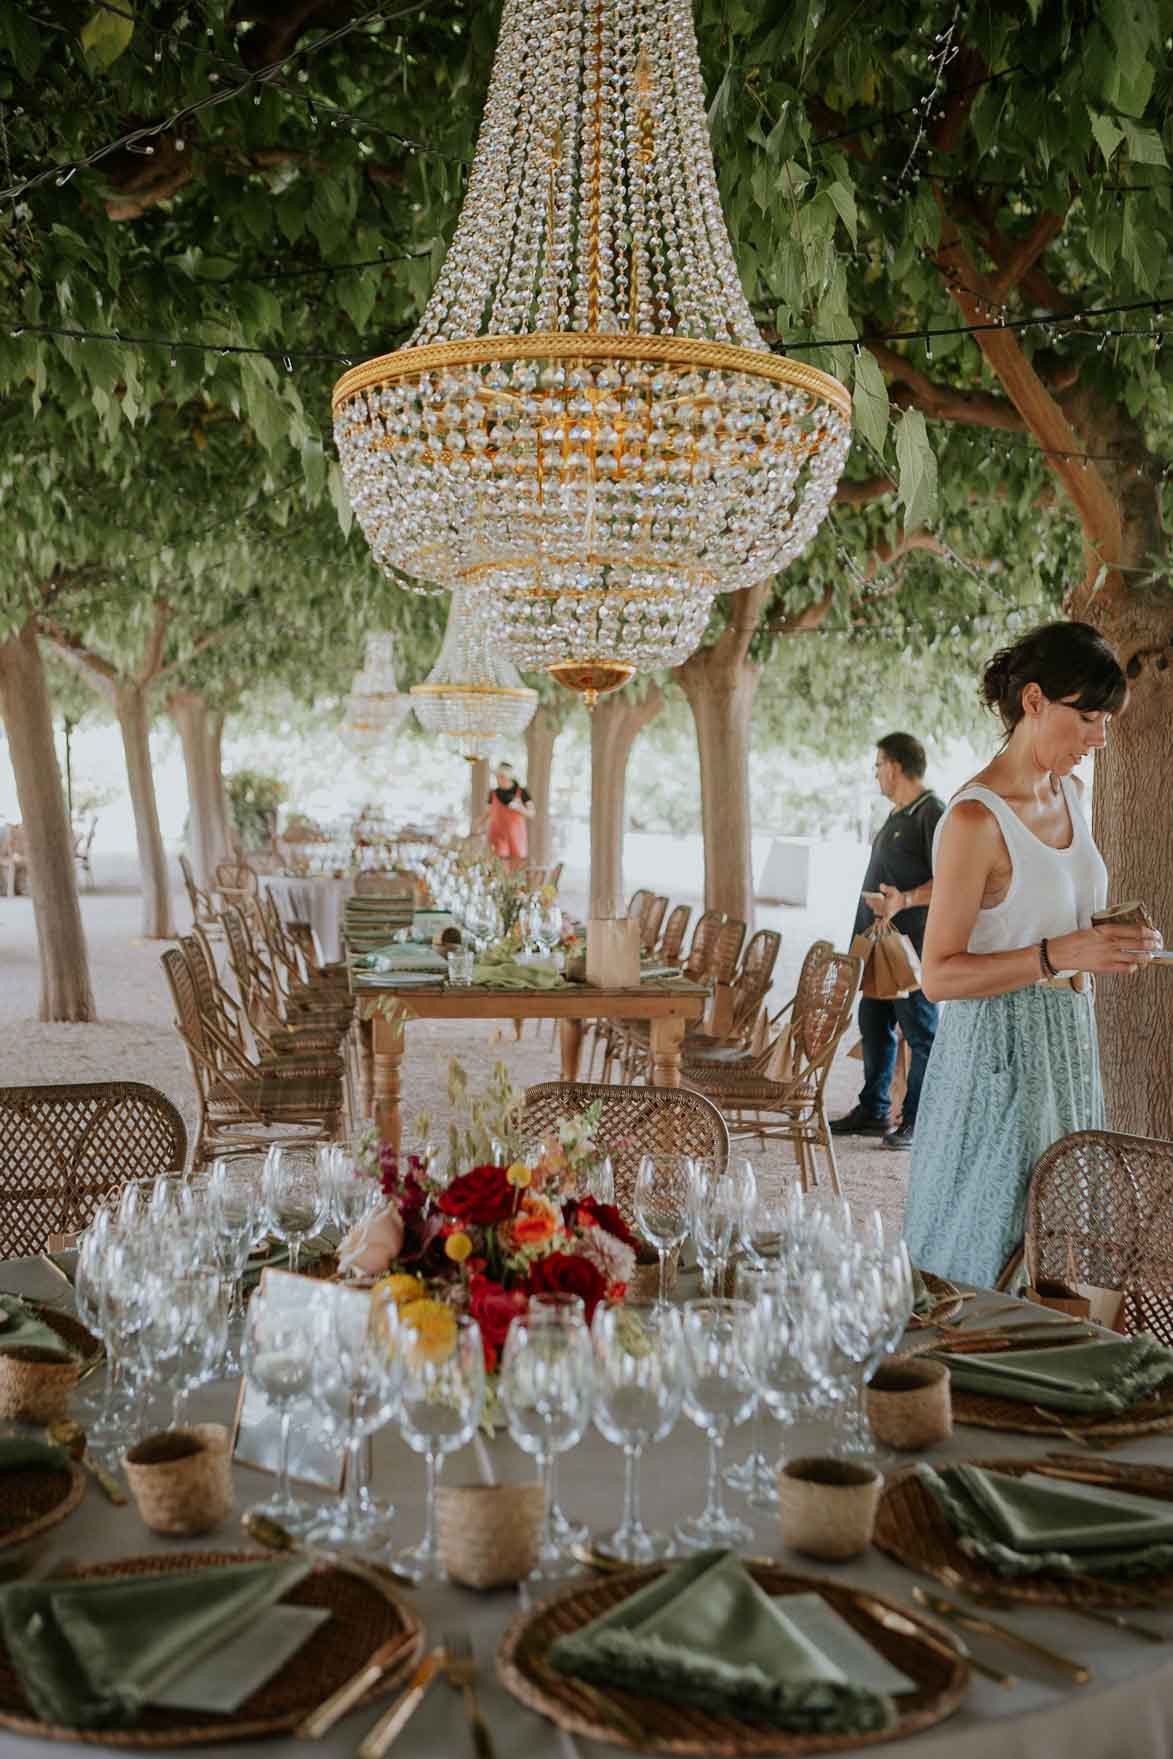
[385, 1011]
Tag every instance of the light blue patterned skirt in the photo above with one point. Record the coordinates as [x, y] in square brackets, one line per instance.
[1008, 1075]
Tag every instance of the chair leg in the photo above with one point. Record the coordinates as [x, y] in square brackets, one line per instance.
[808, 1173]
[827, 1144]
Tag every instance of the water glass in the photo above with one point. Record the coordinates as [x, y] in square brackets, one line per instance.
[279, 1344]
[442, 1395]
[719, 1391]
[661, 1206]
[560, 1309]
[460, 966]
[296, 1201]
[639, 1388]
[546, 1385]
[357, 1372]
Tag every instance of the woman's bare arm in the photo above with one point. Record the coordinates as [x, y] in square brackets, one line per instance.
[970, 847]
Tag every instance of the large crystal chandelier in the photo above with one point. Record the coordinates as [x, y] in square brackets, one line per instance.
[473, 694]
[586, 428]
[375, 706]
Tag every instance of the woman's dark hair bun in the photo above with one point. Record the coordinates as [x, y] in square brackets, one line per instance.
[996, 679]
[1070, 662]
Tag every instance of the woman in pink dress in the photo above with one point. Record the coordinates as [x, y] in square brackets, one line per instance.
[504, 820]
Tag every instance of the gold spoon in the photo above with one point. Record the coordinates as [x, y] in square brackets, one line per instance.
[274, 1537]
[72, 1437]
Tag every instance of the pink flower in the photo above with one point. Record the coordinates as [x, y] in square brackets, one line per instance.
[372, 1246]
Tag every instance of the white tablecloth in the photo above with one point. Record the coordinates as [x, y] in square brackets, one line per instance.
[1126, 1713]
[317, 900]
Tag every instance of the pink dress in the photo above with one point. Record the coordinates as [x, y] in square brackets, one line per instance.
[508, 830]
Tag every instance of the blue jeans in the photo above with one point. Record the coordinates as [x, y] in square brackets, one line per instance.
[916, 1017]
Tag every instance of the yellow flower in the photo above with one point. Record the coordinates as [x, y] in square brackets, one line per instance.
[548, 893]
[400, 1288]
[430, 1328]
[519, 1175]
[457, 1247]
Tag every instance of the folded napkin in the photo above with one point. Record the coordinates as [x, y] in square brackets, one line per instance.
[406, 958]
[24, 1326]
[91, 1654]
[705, 1634]
[20, 1452]
[1095, 1379]
[649, 971]
[508, 974]
[1033, 1525]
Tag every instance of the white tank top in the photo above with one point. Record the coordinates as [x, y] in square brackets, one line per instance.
[1052, 891]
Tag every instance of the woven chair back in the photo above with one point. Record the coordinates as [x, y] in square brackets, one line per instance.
[304, 939]
[383, 883]
[637, 904]
[753, 980]
[64, 1149]
[241, 955]
[701, 947]
[827, 988]
[236, 877]
[726, 950]
[675, 929]
[205, 979]
[634, 1121]
[189, 885]
[1100, 1210]
[651, 922]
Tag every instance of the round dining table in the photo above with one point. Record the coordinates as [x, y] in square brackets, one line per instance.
[1125, 1712]
[316, 899]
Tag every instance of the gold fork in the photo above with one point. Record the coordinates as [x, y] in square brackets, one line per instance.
[460, 1670]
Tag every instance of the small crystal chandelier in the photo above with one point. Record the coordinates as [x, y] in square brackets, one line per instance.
[586, 430]
[473, 694]
[375, 706]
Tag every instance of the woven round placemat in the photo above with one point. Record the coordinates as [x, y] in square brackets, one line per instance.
[33, 1498]
[911, 1527]
[362, 1619]
[947, 1302]
[655, 1725]
[71, 1331]
[1149, 1417]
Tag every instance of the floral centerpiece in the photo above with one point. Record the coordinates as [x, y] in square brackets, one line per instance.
[498, 1232]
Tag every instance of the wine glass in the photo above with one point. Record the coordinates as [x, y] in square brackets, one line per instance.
[858, 1330]
[545, 1387]
[556, 1308]
[201, 1303]
[600, 1180]
[547, 927]
[95, 1249]
[718, 1203]
[235, 1214]
[792, 1345]
[639, 1387]
[358, 1368]
[754, 1476]
[719, 1391]
[441, 1398]
[296, 1201]
[279, 1345]
[661, 1206]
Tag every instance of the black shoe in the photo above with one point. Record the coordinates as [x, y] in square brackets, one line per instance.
[900, 1138]
[858, 1123]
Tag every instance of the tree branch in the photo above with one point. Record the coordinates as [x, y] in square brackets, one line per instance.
[95, 669]
[153, 658]
[808, 618]
[1016, 258]
[863, 489]
[973, 408]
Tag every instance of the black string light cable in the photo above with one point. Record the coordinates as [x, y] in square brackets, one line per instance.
[140, 139]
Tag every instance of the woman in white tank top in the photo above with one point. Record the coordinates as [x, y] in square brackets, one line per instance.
[1008, 947]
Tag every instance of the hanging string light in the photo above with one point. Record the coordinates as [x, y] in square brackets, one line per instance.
[375, 707]
[587, 429]
[473, 695]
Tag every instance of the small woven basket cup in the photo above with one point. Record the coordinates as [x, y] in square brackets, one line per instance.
[909, 1405]
[827, 1508]
[36, 1383]
[489, 1533]
[181, 1479]
[645, 1281]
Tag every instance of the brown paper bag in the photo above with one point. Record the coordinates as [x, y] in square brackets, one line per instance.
[612, 959]
[890, 964]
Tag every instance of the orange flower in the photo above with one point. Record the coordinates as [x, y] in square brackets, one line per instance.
[537, 1222]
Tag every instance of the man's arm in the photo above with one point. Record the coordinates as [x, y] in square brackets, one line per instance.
[888, 902]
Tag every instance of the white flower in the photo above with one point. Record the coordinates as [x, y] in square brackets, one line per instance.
[612, 1258]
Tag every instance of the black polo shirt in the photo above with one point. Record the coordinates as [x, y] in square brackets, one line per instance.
[902, 856]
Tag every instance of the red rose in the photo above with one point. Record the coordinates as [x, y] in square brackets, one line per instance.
[493, 1308]
[565, 1273]
[481, 1197]
[605, 1216]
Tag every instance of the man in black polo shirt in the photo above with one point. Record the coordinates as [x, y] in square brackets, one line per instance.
[898, 885]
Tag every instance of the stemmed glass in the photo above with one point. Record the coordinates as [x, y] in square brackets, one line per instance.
[858, 1329]
[441, 1398]
[279, 1345]
[296, 1202]
[107, 1429]
[351, 1195]
[639, 1387]
[600, 1180]
[754, 1476]
[555, 1308]
[718, 1203]
[200, 1304]
[235, 1217]
[358, 1368]
[661, 1206]
[545, 1387]
[719, 1391]
[792, 1344]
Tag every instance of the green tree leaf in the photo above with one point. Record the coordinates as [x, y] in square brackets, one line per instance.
[106, 35]
[1108, 136]
[918, 470]
[870, 400]
[844, 200]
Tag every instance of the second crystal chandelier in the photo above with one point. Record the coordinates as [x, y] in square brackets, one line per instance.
[587, 431]
[473, 695]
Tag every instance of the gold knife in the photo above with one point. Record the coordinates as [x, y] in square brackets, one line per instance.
[896, 1621]
[319, 1722]
[401, 1712]
[948, 1609]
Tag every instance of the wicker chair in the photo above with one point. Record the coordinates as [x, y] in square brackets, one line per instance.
[204, 914]
[235, 882]
[700, 948]
[313, 1046]
[672, 940]
[13, 859]
[750, 987]
[242, 1102]
[1099, 1211]
[638, 903]
[635, 1121]
[64, 1149]
[651, 922]
[781, 1094]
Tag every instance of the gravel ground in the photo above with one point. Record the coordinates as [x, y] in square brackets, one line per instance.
[134, 1039]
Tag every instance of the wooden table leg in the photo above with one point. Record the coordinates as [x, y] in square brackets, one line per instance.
[570, 1033]
[667, 1038]
[388, 1057]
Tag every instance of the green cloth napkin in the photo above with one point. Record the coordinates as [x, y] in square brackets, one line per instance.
[508, 974]
[1095, 1379]
[18, 1452]
[26, 1327]
[90, 1654]
[403, 958]
[981, 1512]
[705, 1634]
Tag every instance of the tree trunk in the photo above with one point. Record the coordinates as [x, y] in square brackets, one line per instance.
[540, 735]
[225, 827]
[52, 877]
[615, 723]
[189, 711]
[478, 791]
[1133, 821]
[130, 705]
